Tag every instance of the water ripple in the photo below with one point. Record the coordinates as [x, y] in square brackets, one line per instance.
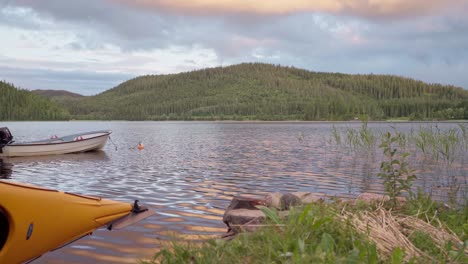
[189, 171]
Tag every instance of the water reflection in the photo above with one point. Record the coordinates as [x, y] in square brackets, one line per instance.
[42, 162]
[75, 157]
[5, 169]
[189, 171]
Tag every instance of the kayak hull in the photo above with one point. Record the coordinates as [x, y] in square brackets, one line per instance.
[39, 220]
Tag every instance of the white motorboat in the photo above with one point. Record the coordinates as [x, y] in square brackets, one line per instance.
[88, 141]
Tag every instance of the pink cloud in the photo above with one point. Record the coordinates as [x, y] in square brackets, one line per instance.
[365, 8]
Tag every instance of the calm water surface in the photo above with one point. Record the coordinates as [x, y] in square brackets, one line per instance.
[189, 171]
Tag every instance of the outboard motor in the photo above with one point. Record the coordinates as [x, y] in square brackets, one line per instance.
[5, 137]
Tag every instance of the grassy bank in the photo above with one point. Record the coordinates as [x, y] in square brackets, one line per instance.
[418, 230]
[421, 231]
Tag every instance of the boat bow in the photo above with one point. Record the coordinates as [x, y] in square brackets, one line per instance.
[41, 220]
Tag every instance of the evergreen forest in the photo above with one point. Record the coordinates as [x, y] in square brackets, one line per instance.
[17, 104]
[256, 91]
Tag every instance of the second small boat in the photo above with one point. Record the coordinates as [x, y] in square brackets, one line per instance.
[82, 142]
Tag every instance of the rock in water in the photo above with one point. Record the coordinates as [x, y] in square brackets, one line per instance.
[288, 200]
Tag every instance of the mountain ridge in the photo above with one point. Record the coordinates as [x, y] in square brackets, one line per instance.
[258, 91]
[271, 92]
[49, 93]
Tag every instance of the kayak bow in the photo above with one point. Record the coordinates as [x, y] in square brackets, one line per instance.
[35, 220]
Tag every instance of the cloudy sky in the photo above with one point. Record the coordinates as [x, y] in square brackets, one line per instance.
[89, 46]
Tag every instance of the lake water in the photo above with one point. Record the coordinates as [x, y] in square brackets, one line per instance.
[189, 171]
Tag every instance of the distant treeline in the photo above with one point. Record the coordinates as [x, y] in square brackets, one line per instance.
[254, 91]
[17, 104]
[269, 92]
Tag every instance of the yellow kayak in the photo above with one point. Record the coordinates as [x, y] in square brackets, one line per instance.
[34, 220]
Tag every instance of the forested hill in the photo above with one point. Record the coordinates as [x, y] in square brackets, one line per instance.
[56, 93]
[269, 92]
[17, 104]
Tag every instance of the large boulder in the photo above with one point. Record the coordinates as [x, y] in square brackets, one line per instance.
[242, 210]
[273, 200]
[289, 200]
[285, 201]
[373, 198]
[308, 197]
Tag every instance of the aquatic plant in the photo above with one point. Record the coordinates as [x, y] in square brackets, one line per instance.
[443, 149]
[438, 144]
[395, 171]
[362, 139]
[336, 135]
[464, 134]
[367, 137]
[403, 140]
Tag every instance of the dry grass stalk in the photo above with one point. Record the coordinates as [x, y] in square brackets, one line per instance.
[384, 231]
[439, 234]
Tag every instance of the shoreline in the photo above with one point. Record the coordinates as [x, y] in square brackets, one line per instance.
[245, 121]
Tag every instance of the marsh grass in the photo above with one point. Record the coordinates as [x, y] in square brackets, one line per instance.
[336, 135]
[432, 141]
[308, 235]
[358, 139]
[441, 144]
[464, 134]
[444, 149]
[338, 232]
[419, 231]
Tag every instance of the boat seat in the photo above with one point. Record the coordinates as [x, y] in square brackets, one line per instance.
[4, 228]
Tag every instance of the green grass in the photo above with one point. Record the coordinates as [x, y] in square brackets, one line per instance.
[454, 218]
[310, 235]
[329, 232]
[423, 241]
[314, 234]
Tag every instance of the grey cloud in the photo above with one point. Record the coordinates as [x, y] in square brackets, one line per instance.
[129, 28]
[82, 82]
[16, 18]
[374, 10]
[309, 40]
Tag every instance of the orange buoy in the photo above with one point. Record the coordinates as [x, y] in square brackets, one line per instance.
[140, 146]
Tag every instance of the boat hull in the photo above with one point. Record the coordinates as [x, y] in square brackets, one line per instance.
[38, 220]
[87, 142]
